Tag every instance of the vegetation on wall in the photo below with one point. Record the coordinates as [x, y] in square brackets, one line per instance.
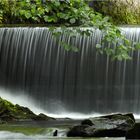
[120, 11]
[68, 13]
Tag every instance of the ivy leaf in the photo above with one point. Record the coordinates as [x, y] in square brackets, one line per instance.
[57, 3]
[75, 49]
[106, 19]
[57, 34]
[127, 42]
[66, 46]
[46, 18]
[46, 9]
[36, 19]
[72, 20]
[137, 46]
[22, 12]
[118, 33]
[98, 46]
[28, 15]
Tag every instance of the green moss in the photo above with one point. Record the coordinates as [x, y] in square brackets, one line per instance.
[24, 129]
[11, 112]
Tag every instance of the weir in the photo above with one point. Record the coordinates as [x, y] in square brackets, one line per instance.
[33, 61]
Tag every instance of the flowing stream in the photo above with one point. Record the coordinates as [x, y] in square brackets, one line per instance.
[4, 135]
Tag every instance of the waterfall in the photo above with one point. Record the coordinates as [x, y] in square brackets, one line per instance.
[32, 60]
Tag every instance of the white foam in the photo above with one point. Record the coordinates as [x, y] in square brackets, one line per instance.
[4, 135]
[21, 99]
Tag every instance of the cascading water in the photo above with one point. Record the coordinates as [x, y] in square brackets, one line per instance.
[33, 61]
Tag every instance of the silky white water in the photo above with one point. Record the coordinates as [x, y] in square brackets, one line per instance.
[61, 113]
[5, 135]
[36, 71]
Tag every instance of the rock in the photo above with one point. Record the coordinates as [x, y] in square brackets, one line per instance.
[119, 114]
[134, 133]
[42, 117]
[130, 115]
[90, 131]
[105, 126]
[55, 133]
[11, 112]
[81, 131]
[87, 122]
[23, 112]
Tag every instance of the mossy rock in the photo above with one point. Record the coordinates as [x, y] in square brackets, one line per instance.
[11, 112]
[134, 133]
[42, 117]
[116, 125]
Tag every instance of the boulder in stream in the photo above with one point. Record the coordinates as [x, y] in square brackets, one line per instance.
[115, 125]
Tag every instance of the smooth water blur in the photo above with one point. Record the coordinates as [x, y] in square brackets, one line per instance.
[36, 70]
[5, 135]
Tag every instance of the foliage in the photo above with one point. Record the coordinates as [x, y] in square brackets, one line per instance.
[50, 12]
[68, 13]
[121, 11]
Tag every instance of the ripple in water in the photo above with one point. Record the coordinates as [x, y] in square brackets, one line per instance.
[6, 135]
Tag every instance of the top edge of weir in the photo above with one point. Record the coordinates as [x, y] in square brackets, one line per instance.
[47, 26]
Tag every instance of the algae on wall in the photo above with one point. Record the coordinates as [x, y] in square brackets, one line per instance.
[121, 11]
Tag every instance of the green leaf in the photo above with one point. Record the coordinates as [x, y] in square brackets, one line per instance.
[98, 46]
[51, 19]
[66, 46]
[46, 18]
[137, 46]
[57, 3]
[56, 33]
[22, 12]
[75, 49]
[119, 57]
[40, 11]
[35, 19]
[33, 9]
[46, 9]
[127, 42]
[72, 20]
[28, 15]
[105, 19]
